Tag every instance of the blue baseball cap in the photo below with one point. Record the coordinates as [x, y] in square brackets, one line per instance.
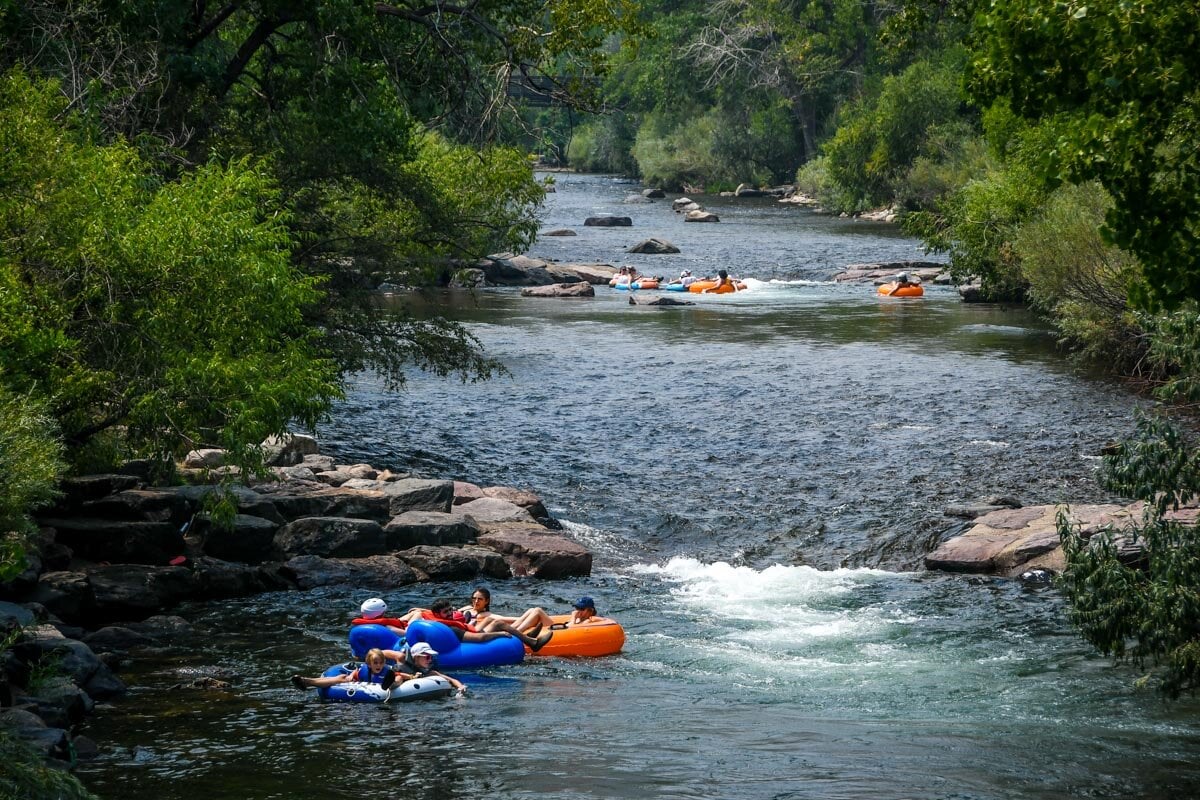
[585, 602]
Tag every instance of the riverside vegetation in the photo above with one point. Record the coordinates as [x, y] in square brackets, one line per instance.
[197, 202]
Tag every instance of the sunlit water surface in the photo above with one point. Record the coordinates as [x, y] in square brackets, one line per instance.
[759, 477]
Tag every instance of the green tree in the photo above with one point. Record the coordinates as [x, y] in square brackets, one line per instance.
[336, 98]
[1121, 74]
[167, 310]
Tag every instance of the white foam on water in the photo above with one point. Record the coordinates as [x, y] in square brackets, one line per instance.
[786, 621]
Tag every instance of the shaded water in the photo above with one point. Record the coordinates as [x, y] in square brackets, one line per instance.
[759, 476]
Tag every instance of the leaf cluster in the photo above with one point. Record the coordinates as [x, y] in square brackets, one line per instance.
[1122, 73]
[1146, 611]
[167, 309]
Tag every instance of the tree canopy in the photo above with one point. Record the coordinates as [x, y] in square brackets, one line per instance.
[1119, 76]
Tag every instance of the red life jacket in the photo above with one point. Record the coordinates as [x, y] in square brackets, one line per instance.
[392, 621]
[453, 623]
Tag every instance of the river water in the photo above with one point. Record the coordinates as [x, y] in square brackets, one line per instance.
[759, 476]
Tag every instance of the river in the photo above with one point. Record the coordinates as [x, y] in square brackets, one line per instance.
[759, 476]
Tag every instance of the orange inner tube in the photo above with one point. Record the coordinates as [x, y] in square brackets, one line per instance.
[908, 291]
[700, 286]
[590, 639]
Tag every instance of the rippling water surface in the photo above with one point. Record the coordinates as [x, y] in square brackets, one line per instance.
[759, 476]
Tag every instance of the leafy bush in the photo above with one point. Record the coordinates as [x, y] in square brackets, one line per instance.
[1175, 352]
[1143, 613]
[603, 145]
[30, 461]
[672, 153]
[882, 134]
[1077, 278]
[25, 776]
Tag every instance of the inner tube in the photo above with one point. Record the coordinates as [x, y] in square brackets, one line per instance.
[452, 654]
[675, 287]
[914, 290]
[700, 286]
[589, 639]
[424, 688]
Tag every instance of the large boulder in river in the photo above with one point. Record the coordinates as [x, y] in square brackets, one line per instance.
[700, 216]
[654, 246]
[290, 448]
[331, 537]
[144, 505]
[416, 494]
[294, 502]
[76, 660]
[308, 572]
[67, 595]
[248, 501]
[493, 509]
[533, 550]
[580, 289]
[521, 497]
[608, 221]
[455, 563]
[1012, 541]
[217, 579]
[414, 528]
[465, 492]
[135, 591]
[118, 540]
[247, 539]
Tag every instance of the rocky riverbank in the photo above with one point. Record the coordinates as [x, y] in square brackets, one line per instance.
[116, 553]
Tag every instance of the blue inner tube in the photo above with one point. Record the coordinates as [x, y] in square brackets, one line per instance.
[452, 654]
[675, 287]
[624, 287]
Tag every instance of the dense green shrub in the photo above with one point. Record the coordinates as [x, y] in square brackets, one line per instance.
[1078, 279]
[30, 463]
[1144, 613]
[603, 145]
[672, 153]
[953, 155]
[1175, 352]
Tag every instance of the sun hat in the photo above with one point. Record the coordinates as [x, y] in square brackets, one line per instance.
[685, 273]
[375, 607]
[422, 649]
[585, 602]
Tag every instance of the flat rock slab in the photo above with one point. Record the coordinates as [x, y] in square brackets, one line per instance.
[580, 289]
[486, 510]
[1011, 541]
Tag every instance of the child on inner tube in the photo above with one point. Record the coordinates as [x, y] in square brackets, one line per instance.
[374, 669]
